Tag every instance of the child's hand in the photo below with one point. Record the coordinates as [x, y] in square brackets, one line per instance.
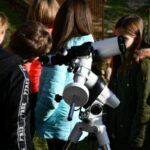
[143, 53]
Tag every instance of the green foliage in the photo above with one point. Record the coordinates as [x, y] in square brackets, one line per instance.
[15, 17]
[115, 9]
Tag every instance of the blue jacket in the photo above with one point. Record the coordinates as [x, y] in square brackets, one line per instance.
[50, 116]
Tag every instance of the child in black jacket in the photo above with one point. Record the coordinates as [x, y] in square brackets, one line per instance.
[29, 41]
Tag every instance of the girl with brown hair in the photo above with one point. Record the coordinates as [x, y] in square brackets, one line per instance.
[128, 124]
[72, 27]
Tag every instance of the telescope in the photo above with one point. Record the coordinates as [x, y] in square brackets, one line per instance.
[100, 49]
[87, 87]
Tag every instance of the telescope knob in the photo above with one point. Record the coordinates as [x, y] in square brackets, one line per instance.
[58, 98]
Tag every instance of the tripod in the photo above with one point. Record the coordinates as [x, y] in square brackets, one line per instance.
[91, 123]
[78, 93]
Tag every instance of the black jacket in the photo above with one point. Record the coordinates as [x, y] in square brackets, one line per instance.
[14, 104]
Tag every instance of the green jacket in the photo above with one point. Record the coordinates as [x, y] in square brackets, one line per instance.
[129, 124]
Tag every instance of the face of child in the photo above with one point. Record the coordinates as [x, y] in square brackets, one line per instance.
[2, 36]
[128, 38]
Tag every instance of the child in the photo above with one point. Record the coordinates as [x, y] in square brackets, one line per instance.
[3, 27]
[28, 42]
[72, 27]
[129, 123]
[43, 11]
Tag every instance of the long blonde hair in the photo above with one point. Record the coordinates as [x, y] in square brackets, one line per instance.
[43, 11]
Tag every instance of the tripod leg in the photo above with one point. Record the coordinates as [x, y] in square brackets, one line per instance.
[70, 146]
[74, 137]
[102, 138]
[106, 147]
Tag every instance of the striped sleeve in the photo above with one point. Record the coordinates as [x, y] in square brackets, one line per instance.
[20, 110]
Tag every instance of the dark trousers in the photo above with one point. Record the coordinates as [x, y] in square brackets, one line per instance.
[33, 99]
[55, 144]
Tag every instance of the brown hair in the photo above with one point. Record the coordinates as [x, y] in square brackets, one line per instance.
[133, 26]
[73, 19]
[31, 40]
[3, 22]
[43, 11]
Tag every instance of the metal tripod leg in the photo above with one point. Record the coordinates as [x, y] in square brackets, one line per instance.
[99, 131]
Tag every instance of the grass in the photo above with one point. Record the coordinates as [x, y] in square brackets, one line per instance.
[40, 144]
[114, 9]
